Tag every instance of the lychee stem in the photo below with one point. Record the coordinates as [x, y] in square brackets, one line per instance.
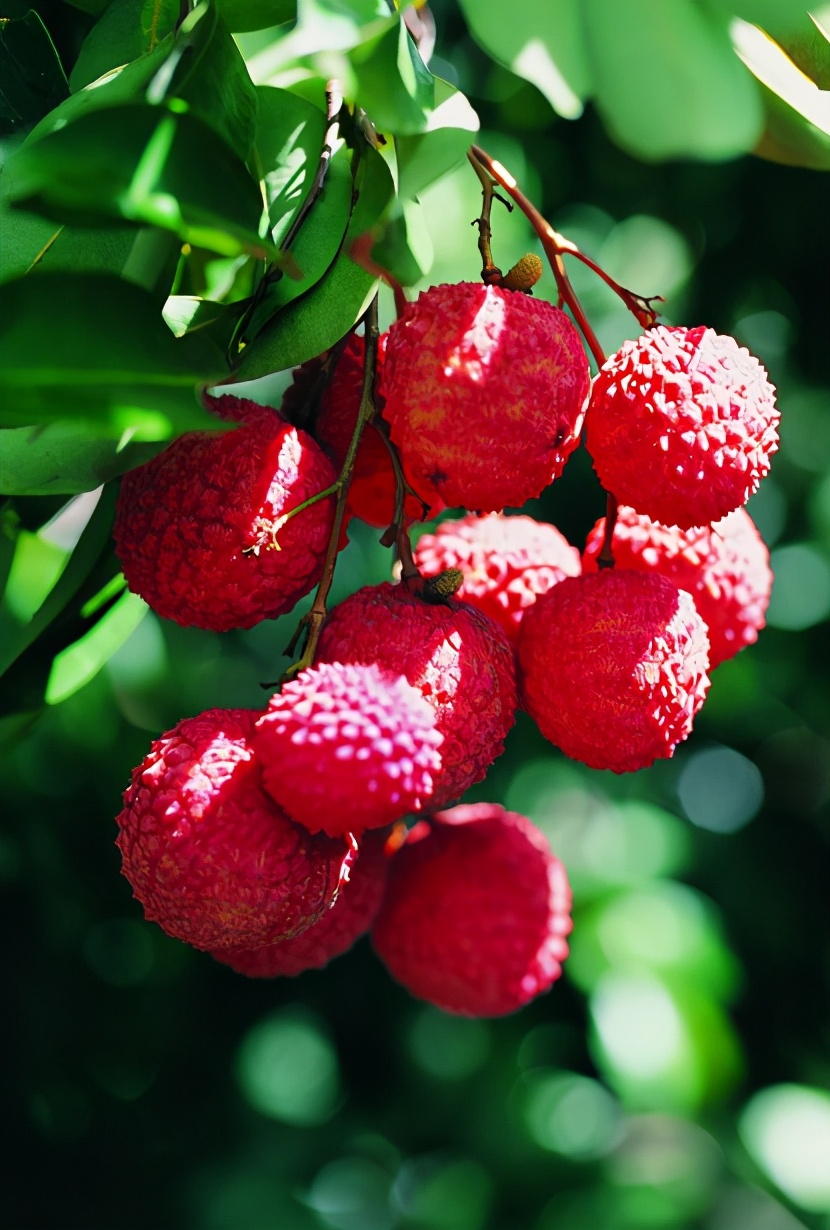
[555, 244]
[312, 623]
[490, 272]
[550, 242]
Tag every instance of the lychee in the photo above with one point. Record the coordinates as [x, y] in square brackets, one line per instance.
[456, 657]
[338, 928]
[682, 424]
[209, 854]
[613, 667]
[201, 529]
[348, 747]
[485, 393]
[506, 561]
[725, 567]
[476, 912]
[372, 490]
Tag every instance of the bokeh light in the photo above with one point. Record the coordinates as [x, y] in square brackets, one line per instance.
[570, 1114]
[786, 1129]
[287, 1068]
[720, 790]
[801, 591]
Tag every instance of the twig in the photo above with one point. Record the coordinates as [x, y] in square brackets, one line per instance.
[334, 103]
[550, 242]
[312, 623]
[605, 559]
[490, 272]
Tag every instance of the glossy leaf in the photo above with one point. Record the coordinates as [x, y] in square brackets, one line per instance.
[667, 82]
[93, 548]
[394, 86]
[541, 42]
[405, 251]
[63, 459]
[125, 31]
[27, 240]
[32, 79]
[288, 144]
[317, 319]
[110, 358]
[797, 111]
[143, 164]
[244, 15]
[81, 661]
[211, 76]
[425, 157]
[124, 84]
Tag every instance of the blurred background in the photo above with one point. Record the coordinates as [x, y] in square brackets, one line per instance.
[677, 1076]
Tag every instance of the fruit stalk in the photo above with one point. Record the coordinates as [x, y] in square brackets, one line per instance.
[312, 623]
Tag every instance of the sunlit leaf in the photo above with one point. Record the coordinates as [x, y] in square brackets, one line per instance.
[426, 157]
[81, 661]
[542, 42]
[210, 75]
[63, 459]
[143, 164]
[667, 82]
[394, 86]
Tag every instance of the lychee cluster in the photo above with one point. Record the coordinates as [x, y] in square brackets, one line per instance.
[274, 839]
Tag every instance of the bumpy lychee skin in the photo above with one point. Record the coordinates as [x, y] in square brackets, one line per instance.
[346, 748]
[372, 490]
[476, 912]
[209, 854]
[507, 562]
[682, 424]
[457, 658]
[725, 567]
[349, 917]
[485, 393]
[613, 667]
[199, 528]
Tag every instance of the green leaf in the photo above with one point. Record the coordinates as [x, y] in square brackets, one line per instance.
[63, 459]
[125, 31]
[110, 359]
[312, 324]
[126, 84]
[542, 42]
[148, 165]
[288, 144]
[797, 111]
[93, 547]
[32, 79]
[242, 16]
[27, 240]
[317, 243]
[211, 76]
[668, 84]
[405, 250]
[80, 662]
[394, 86]
[425, 157]
[318, 314]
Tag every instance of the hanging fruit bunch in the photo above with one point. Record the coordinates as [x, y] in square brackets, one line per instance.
[273, 839]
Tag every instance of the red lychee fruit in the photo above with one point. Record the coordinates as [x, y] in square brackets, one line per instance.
[725, 567]
[475, 913]
[372, 490]
[339, 927]
[209, 854]
[485, 393]
[682, 424]
[456, 657]
[613, 667]
[200, 528]
[348, 747]
[506, 561]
